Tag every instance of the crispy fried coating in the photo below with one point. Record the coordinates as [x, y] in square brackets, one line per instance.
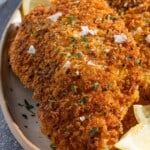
[84, 71]
[137, 20]
[122, 5]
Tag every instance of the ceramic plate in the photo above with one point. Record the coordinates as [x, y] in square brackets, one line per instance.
[19, 109]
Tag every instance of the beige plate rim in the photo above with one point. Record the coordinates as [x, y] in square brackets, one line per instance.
[16, 131]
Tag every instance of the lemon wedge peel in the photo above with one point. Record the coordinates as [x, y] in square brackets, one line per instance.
[137, 138]
[142, 113]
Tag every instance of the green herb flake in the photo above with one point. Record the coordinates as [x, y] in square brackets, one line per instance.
[95, 85]
[25, 126]
[71, 18]
[84, 39]
[83, 100]
[67, 54]
[73, 40]
[42, 23]
[21, 105]
[24, 116]
[121, 12]
[77, 55]
[110, 85]
[31, 29]
[87, 46]
[52, 100]
[74, 88]
[53, 147]
[93, 132]
[109, 17]
[27, 105]
[139, 62]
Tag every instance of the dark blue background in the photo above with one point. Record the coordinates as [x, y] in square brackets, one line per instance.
[7, 140]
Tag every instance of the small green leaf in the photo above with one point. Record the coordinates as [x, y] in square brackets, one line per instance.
[95, 85]
[71, 18]
[67, 54]
[84, 100]
[24, 116]
[27, 105]
[139, 62]
[77, 55]
[110, 85]
[74, 88]
[73, 40]
[93, 132]
[121, 12]
[31, 29]
[42, 23]
[84, 39]
[52, 100]
[109, 17]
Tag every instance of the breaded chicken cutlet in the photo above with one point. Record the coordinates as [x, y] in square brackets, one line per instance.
[122, 5]
[137, 20]
[83, 67]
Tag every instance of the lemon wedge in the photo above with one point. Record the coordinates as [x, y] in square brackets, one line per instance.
[137, 138]
[142, 113]
[28, 5]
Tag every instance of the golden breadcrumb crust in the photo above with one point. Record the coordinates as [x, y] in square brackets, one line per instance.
[122, 5]
[85, 83]
[137, 20]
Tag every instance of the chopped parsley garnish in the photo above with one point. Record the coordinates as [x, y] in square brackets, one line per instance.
[109, 17]
[74, 88]
[25, 126]
[95, 85]
[67, 54]
[28, 106]
[87, 46]
[93, 132]
[77, 55]
[24, 116]
[53, 147]
[84, 39]
[30, 29]
[21, 105]
[110, 85]
[71, 18]
[84, 100]
[42, 23]
[73, 40]
[121, 12]
[52, 100]
[139, 62]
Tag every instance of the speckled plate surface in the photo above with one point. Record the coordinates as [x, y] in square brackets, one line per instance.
[18, 107]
